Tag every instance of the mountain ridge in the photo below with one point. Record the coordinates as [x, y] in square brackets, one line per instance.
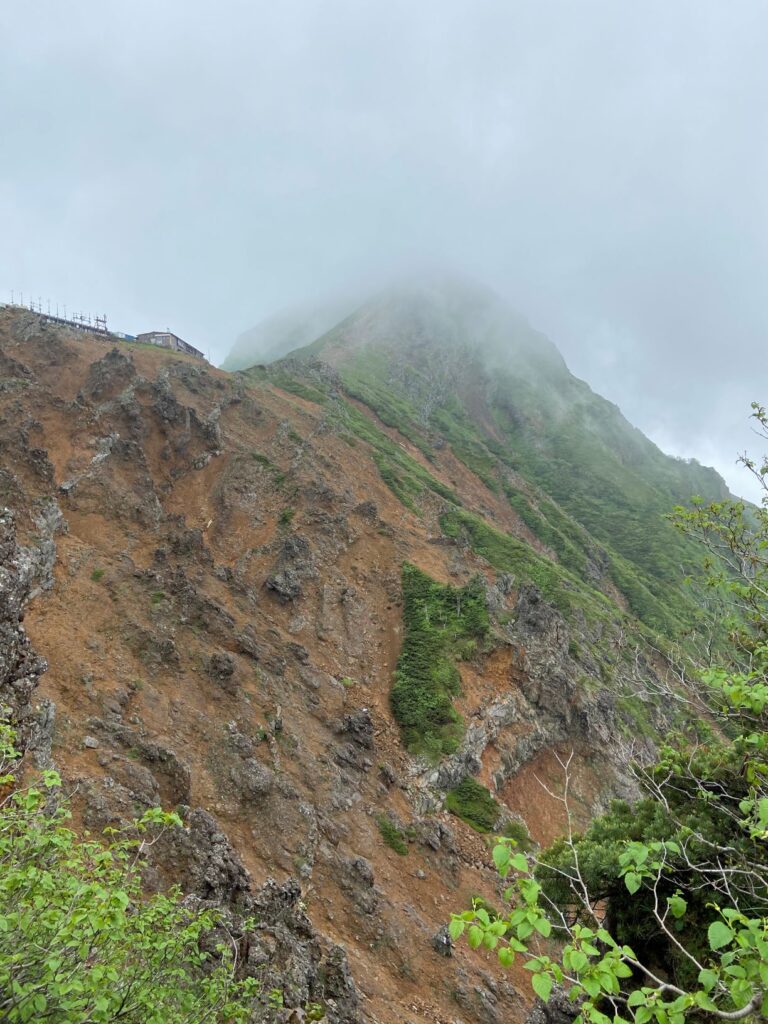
[454, 365]
[319, 610]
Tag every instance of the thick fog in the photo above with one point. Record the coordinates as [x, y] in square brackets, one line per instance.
[603, 163]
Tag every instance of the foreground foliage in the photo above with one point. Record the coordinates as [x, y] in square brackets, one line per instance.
[79, 943]
[662, 908]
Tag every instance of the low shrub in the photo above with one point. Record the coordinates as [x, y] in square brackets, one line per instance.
[474, 804]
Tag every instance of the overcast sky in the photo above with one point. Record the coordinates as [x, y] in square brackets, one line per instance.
[604, 163]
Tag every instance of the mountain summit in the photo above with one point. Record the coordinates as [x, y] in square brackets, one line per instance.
[448, 362]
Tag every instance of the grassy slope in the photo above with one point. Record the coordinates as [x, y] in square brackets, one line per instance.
[588, 484]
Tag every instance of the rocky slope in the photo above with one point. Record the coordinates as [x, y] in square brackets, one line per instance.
[212, 567]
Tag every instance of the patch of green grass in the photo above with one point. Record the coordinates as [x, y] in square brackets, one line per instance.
[97, 574]
[261, 459]
[517, 831]
[635, 719]
[158, 597]
[286, 516]
[392, 835]
[404, 476]
[438, 621]
[287, 382]
[367, 378]
[473, 804]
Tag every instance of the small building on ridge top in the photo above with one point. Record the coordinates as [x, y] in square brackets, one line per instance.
[165, 339]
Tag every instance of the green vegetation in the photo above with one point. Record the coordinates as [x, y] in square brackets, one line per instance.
[459, 370]
[440, 623]
[613, 482]
[79, 941]
[584, 481]
[97, 574]
[286, 516]
[367, 377]
[660, 907]
[569, 541]
[474, 804]
[405, 477]
[517, 831]
[508, 554]
[158, 597]
[288, 382]
[261, 459]
[392, 835]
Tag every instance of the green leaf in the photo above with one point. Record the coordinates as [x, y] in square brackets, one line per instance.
[632, 881]
[591, 987]
[579, 960]
[719, 935]
[677, 905]
[704, 1001]
[542, 986]
[475, 936]
[506, 956]
[500, 856]
[543, 927]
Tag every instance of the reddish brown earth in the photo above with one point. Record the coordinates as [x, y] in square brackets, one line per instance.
[168, 543]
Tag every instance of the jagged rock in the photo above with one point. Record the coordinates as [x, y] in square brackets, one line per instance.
[185, 542]
[294, 564]
[221, 669]
[286, 584]
[40, 733]
[20, 666]
[202, 857]
[283, 951]
[359, 727]
[348, 754]
[221, 666]
[247, 643]
[253, 780]
[197, 608]
[356, 880]
[108, 376]
[299, 652]
[368, 510]
[497, 592]
[49, 521]
[152, 648]
[442, 942]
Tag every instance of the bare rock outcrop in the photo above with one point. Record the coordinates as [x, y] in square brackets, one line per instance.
[20, 666]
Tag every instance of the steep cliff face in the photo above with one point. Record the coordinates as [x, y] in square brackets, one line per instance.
[215, 567]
